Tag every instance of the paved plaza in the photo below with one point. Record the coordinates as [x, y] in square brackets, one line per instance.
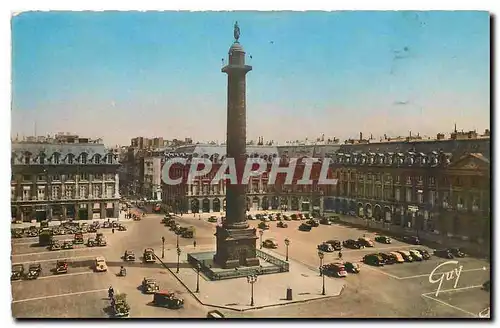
[399, 290]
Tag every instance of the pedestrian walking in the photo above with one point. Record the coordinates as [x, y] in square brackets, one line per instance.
[340, 255]
[194, 244]
[113, 230]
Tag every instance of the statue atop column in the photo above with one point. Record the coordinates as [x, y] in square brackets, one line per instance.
[236, 32]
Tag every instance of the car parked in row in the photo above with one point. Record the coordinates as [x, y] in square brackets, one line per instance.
[336, 244]
[325, 247]
[353, 244]
[383, 239]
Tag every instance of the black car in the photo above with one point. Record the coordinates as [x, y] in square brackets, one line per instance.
[313, 222]
[425, 254]
[456, 252]
[352, 267]
[351, 243]
[383, 239]
[336, 244]
[373, 259]
[325, 221]
[414, 240]
[305, 227]
[444, 253]
[388, 258]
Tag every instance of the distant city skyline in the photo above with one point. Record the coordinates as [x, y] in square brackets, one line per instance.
[119, 75]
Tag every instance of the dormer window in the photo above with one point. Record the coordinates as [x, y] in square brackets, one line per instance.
[42, 158]
[70, 158]
[97, 159]
[110, 159]
[56, 158]
[83, 158]
[27, 159]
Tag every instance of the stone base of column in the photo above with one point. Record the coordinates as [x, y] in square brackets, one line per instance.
[236, 247]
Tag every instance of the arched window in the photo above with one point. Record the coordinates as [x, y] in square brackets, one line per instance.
[97, 159]
[70, 158]
[41, 158]
[56, 158]
[83, 158]
[110, 159]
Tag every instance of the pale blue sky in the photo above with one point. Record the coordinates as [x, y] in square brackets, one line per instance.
[120, 75]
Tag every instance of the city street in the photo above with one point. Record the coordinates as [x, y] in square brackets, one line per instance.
[399, 290]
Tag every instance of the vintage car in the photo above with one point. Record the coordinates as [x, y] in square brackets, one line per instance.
[306, 216]
[106, 224]
[212, 219]
[352, 267]
[34, 271]
[336, 244]
[67, 244]
[17, 233]
[373, 259]
[84, 227]
[17, 272]
[286, 218]
[388, 258]
[215, 314]
[115, 224]
[250, 217]
[425, 254]
[414, 240]
[61, 266]
[100, 240]
[187, 232]
[305, 227]
[120, 306]
[399, 258]
[31, 232]
[325, 247]
[263, 225]
[416, 255]
[294, 217]
[365, 242]
[96, 224]
[406, 256]
[92, 228]
[444, 253]
[121, 227]
[281, 224]
[383, 239]
[334, 269]
[313, 222]
[91, 242]
[167, 300]
[149, 255]
[456, 252]
[270, 243]
[78, 238]
[325, 221]
[129, 255]
[149, 286]
[100, 264]
[265, 218]
[55, 246]
[353, 244]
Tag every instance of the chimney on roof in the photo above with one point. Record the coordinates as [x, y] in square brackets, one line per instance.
[410, 134]
[361, 136]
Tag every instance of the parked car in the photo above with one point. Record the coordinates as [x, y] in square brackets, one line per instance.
[67, 244]
[313, 222]
[212, 219]
[365, 242]
[406, 256]
[383, 239]
[61, 266]
[286, 218]
[325, 221]
[263, 225]
[325, 247]
[270, 243]
[353, 244]
[399, 258]
[457, 252]
[444, 253]
[388, 258]
[352, 267]
[34, 271]
[416, 255]
[373, 259]
[305, 227]
[249, 217]
[294, 217]
[411, 240]
[282, 224]
[149, 286]
[91, 242]
[334, 269]
[167, 300]
[149, 255]
[55, 246]
[336, 244]
[129, 255]
[17, 272]
[425, 254]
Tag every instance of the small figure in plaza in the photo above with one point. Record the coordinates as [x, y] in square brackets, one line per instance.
[194, 243]
[340, 255]
[111, 292]
[113, 230]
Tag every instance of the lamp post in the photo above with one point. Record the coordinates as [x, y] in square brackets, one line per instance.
[178, 258]
[162, 247]
[252, 279]
[198, 268]
[287, 243]
[321, 256]
[261, 232]
[177, 239]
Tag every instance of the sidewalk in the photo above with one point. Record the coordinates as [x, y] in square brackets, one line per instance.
[269, 290]
[121, 218]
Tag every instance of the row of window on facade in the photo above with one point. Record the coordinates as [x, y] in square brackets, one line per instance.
[69, 159]
[69, 192]
[206, 189]
[66, 177]
[388, 178]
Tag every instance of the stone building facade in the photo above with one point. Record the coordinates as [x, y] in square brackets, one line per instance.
[63, 180]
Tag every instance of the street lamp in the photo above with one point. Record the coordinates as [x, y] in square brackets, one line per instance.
[321, 256]
[252, 279]
[261, 232]
[198, 268]
[177, 239]
[162, 247]
[178, 258]
[287, 242]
